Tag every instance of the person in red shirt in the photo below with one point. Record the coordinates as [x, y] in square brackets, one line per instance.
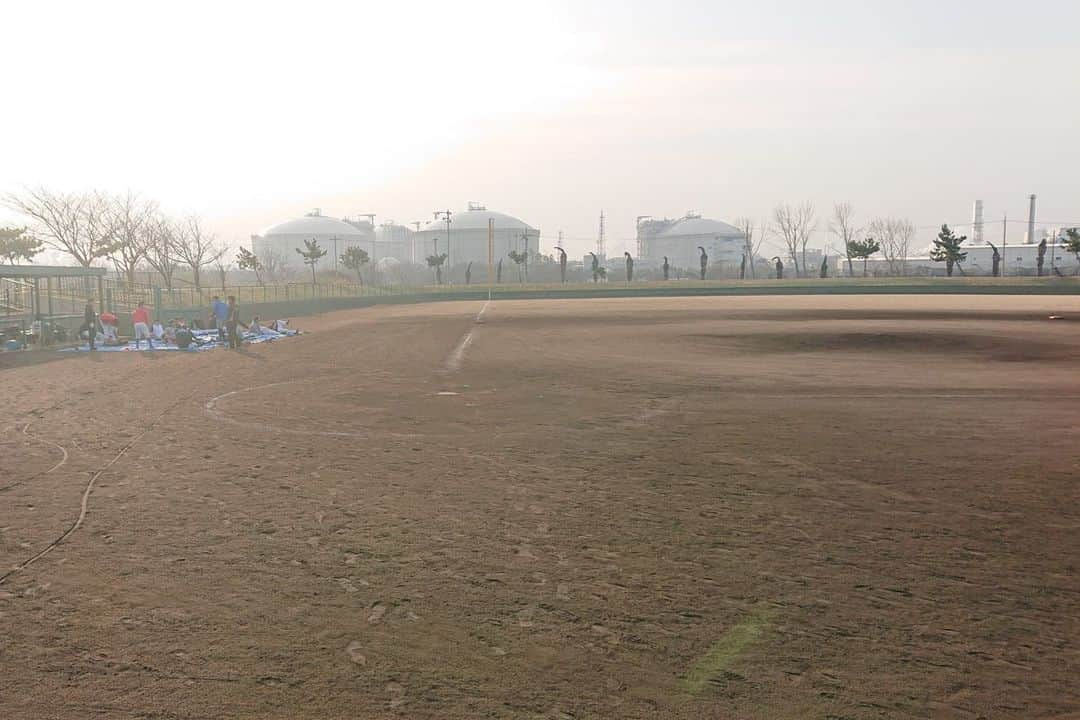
[140, 317]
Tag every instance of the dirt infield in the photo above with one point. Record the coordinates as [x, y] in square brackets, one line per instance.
[752, 507]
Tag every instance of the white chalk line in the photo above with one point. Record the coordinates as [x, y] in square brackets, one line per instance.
[457, 355]
[84, 503]
[453, 362]
[213, 410]
[57, 466]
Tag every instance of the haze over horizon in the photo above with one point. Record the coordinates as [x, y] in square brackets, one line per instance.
[251, 113]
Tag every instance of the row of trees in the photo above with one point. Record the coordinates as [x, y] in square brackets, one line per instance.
[130, 231]
[133, 233]
[796, 225]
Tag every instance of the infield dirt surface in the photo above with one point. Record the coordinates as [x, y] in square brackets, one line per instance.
[737, 507]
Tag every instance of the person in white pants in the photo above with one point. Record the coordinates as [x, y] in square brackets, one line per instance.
[140, 318]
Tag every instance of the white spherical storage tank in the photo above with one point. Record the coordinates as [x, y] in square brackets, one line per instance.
[680, 239]
[285, 238]
[467, 238]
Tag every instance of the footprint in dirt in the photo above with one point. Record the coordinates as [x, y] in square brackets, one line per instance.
[377, 613]
[348, 585]
[397, 694]
[562, 591]
[525, 617]
[353, 650]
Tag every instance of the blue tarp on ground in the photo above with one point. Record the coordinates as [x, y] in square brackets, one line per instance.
[204, 340]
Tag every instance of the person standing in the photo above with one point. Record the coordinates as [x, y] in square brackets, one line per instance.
[90, 322]
[220, 315]
[232, 320]
[140, 318]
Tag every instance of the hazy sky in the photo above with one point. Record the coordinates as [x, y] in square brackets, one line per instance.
[249, 113]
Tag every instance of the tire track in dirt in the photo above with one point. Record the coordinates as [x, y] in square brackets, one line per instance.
[57, 466]
[84, 504]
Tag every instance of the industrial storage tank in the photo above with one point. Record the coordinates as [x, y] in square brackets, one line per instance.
[467, 240]
[680, 239]
[394, 241]
[334, 236]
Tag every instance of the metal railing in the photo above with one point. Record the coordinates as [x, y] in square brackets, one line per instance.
[191, 297]
[16, 296]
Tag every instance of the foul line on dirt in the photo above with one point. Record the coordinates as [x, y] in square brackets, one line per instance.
[85, 502]
[63, 459]
[213, 409]
[454, 360]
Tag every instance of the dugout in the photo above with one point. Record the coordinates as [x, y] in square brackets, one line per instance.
[37, 299]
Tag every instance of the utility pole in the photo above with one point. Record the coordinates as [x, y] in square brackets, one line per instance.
[559, 243]
[413, 250]
[525, 237]
[642, 248]
[491, 252]
[601, 239]
[445, 215]
[1004, 239]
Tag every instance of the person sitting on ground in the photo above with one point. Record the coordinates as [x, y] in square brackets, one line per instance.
[184, 338]
[255, 326]
[109, 326]
[158, 331]
[168, 333]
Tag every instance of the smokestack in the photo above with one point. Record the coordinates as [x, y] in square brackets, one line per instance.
[1031, 221]
[977, 223]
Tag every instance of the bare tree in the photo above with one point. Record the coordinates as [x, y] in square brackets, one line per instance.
[796, 225]
[131, 217]
[843, 227]
[78, 224]
[905, 235]
[275, 264]
[754, 234]
[196, 248]
[162, 251]
[882, 230]
[222, 264]
[895, 236]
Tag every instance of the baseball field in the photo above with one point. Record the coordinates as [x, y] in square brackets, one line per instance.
[713, 507]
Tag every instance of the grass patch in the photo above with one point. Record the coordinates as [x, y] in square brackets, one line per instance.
[724, 653]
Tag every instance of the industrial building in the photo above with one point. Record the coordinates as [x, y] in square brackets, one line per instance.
[680, 239]
[466, 238]
[393, 241]
[388, 240]
[334, 236]
[1016, 259]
